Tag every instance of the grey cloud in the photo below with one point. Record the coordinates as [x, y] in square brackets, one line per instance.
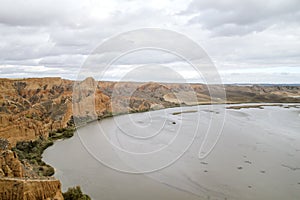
[237, 17]
[41, 13]
[142, 56]
[152, 73]
[54, 38]
[32, 71]
[48, 29]
[70, 61]
[259, 77]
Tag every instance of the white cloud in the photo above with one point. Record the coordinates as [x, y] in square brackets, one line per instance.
[248, 40]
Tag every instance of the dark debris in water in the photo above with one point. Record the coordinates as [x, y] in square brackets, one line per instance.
[290, 167]
[249, 162]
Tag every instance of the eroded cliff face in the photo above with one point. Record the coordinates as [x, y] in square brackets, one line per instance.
[17, 189]
[31, 108]
[14, 185]
[10, 165]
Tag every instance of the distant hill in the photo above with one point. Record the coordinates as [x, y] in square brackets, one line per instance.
[265, 84]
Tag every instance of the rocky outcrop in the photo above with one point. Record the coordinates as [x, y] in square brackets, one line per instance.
[88, 100]
[14, 185]
[17, 189]
[10, 166]
[31, 108]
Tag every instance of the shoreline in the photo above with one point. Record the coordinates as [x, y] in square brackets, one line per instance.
[236, 105]
[237, 169]
[69, 131]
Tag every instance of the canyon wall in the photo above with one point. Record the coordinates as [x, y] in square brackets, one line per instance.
[15, 184]
[10, 165]
[17, 189]
[33, 108]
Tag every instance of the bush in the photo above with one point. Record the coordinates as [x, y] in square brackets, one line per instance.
[75, 193]
[68, 133]
[45, 170]
[62, 134]
[32, 152]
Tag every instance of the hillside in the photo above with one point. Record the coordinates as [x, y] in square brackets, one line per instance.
[34, 109]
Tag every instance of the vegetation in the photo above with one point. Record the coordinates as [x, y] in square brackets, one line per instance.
[31, 151]
[62, 134]
[75, 193]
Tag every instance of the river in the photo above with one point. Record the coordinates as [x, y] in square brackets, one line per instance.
[193, 153]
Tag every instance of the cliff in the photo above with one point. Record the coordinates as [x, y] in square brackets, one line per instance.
[14, 184]
[32, 107]
[18, 189]
[35, 108]
[10, 165]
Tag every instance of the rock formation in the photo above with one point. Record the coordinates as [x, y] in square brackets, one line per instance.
[10, 166]
[34, 107]
[17, 189]
[14, 185]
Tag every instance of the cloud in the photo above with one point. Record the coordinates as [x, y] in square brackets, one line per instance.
[235, 17]
[17, 71]
[54, 38]
[258, 75]
[43, 13]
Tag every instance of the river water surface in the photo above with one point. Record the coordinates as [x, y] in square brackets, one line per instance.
[256, 156]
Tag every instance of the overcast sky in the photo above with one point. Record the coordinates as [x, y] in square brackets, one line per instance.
[247, 40]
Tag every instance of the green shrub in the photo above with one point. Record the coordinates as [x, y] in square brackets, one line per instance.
[75, 193]
[48, 170]
[32, 150]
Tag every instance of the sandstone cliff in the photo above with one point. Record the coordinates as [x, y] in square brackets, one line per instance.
[36, 107]
[18, 189]
[14, 185]
[10, 166]
[30, 108]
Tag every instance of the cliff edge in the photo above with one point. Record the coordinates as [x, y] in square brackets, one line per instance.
[36, 108]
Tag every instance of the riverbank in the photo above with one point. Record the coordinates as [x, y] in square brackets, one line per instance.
[33, 108]
[256, 157]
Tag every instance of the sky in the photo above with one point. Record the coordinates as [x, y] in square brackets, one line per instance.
[247, 41]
